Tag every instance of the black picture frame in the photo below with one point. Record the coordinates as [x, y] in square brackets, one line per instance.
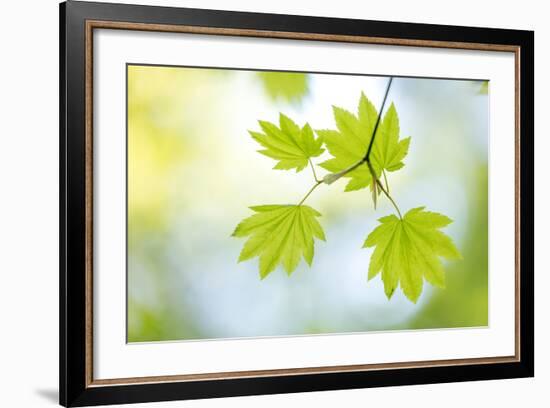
[76, 389]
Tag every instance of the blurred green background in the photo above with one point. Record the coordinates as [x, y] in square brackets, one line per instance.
[193, 171]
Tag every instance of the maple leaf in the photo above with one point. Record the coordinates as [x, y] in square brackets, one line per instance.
[280, 234]
[291, 145]
[349, 143]
[408, 251]
[285, 86]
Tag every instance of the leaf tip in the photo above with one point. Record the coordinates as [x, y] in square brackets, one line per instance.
[235, 232]
[283, 117]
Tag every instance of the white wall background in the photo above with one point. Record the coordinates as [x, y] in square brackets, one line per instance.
[29, 202]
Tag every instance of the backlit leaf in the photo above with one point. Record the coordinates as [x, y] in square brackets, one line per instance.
[408, 251]
[286, 86]
[349, 143]
[280, 234]
[289, 144]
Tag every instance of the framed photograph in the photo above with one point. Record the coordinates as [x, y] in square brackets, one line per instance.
[257, 203]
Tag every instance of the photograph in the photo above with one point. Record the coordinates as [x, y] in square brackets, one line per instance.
[257, 202]
[265, 203]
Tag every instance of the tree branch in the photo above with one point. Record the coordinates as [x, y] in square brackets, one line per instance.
[366, 158]
[332, 177]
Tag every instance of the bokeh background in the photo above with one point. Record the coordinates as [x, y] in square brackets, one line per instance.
[193, 171]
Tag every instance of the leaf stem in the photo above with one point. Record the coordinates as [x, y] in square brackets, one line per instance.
[313, 170]
[386, 180]
[387, 194]
[317, 184]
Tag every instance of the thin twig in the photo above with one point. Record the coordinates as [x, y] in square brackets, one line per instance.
[317, 184]
[386, 180]
[366, 158]
[332, 177]
[387, 194]
[313, 170]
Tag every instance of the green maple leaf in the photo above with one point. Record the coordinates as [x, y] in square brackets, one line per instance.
[286, 86]
[291, 145]
[349, 143]
[408, 251]
[279, 234]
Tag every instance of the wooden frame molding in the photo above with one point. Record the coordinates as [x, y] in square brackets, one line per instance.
[78, 21]
[98, 24]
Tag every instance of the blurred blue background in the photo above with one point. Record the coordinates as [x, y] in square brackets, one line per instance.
[193, 171]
